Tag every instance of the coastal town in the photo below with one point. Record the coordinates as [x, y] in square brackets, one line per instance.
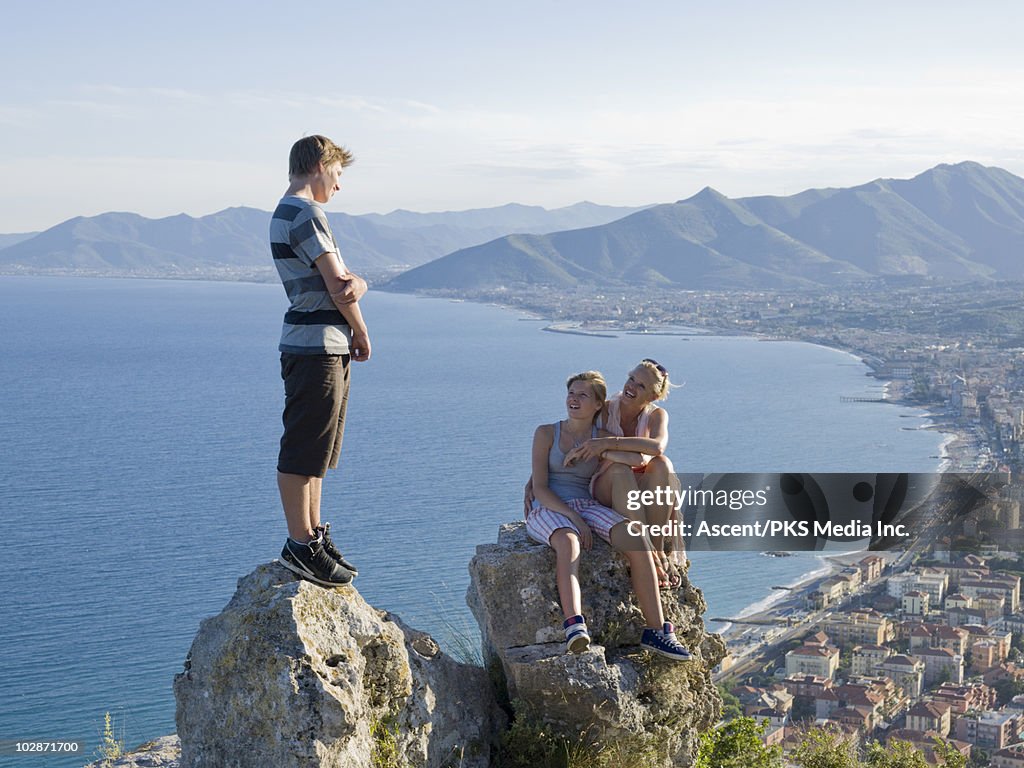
[911, 646]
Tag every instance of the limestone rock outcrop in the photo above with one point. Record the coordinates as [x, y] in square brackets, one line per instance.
[294, 675]
[615, 692]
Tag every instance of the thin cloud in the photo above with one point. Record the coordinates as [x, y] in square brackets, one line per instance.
[133, 94]
[416, 154]
[434, 110]
[526, 172]
[261, 99]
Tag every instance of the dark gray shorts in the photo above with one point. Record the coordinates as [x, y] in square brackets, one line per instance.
[315, 399]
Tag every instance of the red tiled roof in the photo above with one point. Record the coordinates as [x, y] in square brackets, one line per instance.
[932, 709]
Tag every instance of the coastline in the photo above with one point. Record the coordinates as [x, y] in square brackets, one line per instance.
[769, 614]
[958, 450]
[764, 621]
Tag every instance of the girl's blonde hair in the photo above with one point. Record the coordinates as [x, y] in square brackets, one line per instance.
[597, 385]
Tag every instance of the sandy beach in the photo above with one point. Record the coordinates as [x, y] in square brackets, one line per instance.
[962, 448]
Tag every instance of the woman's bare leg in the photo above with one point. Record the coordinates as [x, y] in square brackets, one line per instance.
[661, 474]
[566, 544]
[612, 489]
[642, 573]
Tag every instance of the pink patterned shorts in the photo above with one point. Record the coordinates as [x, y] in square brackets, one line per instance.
[542, 522]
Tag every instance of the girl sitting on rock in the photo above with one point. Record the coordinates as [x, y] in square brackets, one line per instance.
[564, 516]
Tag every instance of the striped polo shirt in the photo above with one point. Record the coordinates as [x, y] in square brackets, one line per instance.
[299, 235]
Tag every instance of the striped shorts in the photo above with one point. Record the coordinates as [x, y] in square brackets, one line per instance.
[542, 522]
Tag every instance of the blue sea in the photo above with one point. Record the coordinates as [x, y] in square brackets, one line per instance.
[140, 424]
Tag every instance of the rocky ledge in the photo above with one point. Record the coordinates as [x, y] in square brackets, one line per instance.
[293, 675]
[615, 692]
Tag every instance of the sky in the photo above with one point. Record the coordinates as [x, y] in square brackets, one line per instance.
[164, 108]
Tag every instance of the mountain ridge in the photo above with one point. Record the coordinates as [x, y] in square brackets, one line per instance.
[236, 237]
[959, 222]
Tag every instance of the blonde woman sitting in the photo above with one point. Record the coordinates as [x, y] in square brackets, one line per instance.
[637, 426]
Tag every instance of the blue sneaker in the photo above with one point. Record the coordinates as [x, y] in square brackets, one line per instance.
[577, 638]
[664, 641]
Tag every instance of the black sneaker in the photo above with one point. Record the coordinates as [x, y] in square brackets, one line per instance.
[325, 533]
[311, 562]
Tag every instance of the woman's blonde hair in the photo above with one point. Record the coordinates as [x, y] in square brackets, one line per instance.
[660, 375]
[597, 385]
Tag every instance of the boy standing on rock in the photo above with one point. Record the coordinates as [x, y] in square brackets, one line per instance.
[323, 331]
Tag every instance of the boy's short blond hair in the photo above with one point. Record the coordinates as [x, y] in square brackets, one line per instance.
[310, 151]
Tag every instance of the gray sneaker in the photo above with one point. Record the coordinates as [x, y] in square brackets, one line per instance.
[311, 562]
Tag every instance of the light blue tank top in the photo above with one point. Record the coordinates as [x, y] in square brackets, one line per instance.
[569, 482]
